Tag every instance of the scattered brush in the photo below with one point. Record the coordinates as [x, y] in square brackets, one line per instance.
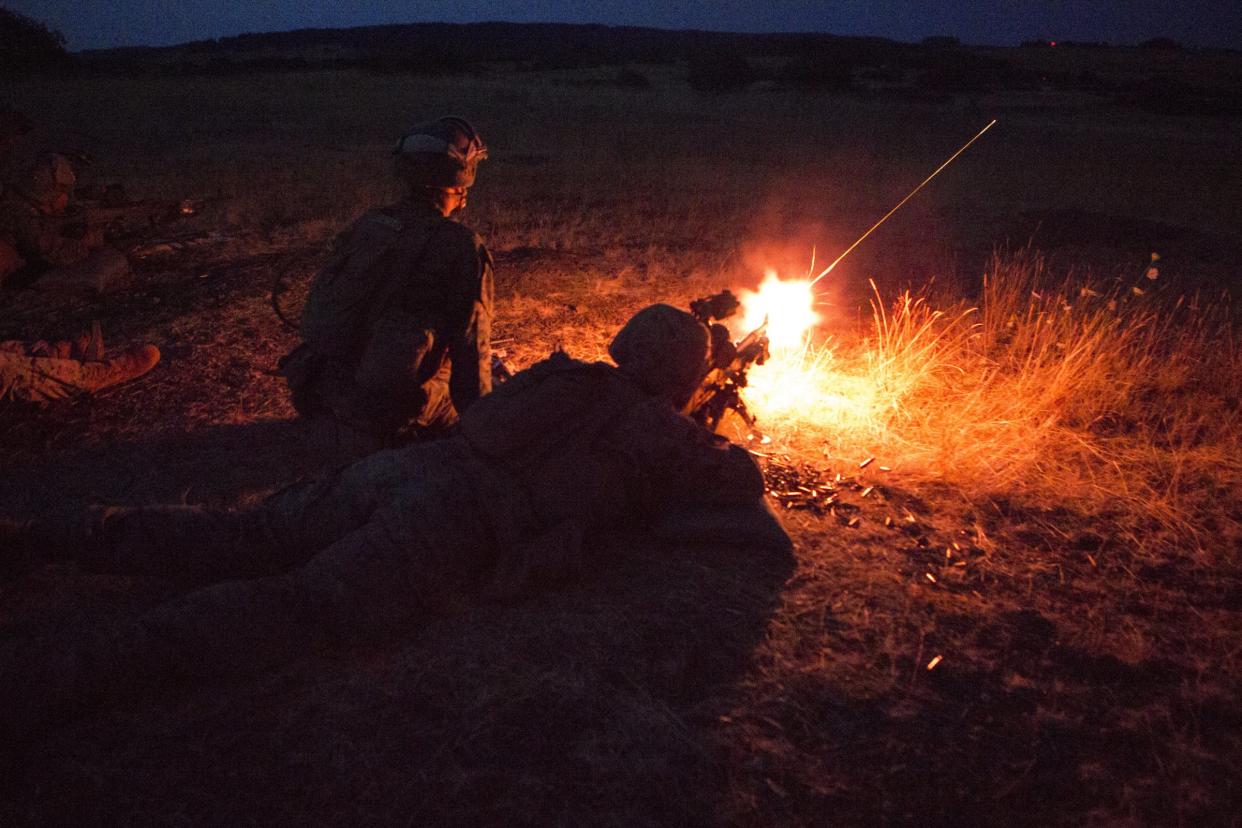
[1115, 400]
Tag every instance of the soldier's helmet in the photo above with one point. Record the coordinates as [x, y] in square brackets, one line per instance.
[49, 183]
[444, 154]
[665, 350]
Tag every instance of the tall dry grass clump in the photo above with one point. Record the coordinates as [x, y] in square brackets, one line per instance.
[1115, 398]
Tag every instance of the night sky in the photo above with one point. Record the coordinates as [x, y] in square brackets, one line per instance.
[104, 23]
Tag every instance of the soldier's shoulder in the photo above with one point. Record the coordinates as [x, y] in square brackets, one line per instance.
[460, 242]
[380, 218]
[386, 220]
[369, 227]
[561, 361]
[459, 233]
[561, 364]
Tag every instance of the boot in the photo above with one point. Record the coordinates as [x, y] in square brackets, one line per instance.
[131, 364]
[89, 347]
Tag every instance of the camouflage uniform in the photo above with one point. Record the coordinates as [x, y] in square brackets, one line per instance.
[397, 328]
[35, 228]
[562, 449]
[42, 372]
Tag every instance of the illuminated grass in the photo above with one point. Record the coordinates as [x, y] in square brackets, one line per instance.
[1062, 390]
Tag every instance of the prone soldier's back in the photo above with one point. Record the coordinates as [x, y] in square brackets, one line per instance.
[590, 444]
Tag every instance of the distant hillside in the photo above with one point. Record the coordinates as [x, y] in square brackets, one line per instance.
[1168, 79]
[454, 47]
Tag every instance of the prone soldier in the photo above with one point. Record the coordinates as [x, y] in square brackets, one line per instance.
[563, 450]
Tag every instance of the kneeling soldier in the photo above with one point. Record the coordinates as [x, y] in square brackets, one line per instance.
[397, 328]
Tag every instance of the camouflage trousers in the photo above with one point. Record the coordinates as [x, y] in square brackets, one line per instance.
[348, 423]
[363, 553]
[42, 379]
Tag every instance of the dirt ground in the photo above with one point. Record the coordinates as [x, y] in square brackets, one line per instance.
[922, 658]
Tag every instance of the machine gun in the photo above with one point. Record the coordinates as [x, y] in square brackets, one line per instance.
[720, 390]
[120, 222]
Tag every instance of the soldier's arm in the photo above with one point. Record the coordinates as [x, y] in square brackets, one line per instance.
[698, 487]
[470, 347]
[703, 488]
[680, 461]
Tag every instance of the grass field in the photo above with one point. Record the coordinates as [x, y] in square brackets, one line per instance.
[1026, 610]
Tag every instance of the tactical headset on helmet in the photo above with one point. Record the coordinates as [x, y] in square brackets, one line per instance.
[665, 350]
[444, 154]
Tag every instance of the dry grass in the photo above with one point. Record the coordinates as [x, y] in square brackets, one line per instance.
[1116, 398]
[1090, 672]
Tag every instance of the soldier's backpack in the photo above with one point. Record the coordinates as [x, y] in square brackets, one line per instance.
[350, 291]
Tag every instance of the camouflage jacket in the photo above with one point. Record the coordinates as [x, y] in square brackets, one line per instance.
[406, 297]
[45, 240]
[587, 444]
